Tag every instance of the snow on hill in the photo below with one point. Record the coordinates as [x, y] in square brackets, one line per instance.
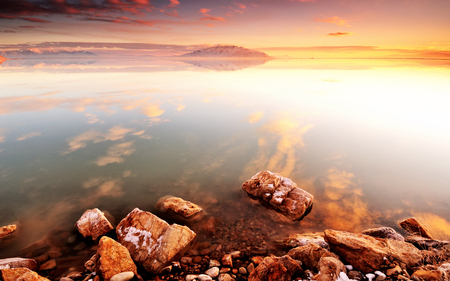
[227, 52]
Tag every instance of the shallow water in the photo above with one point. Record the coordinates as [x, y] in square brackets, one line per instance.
[368, 138]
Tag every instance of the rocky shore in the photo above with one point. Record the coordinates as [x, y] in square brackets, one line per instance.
[143, 246]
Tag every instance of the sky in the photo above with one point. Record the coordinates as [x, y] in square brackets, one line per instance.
[275, 26]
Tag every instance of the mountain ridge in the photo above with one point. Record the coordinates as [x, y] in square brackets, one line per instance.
[226, 51]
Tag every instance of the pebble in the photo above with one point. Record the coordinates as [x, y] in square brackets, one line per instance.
[213, 263]
[123, 276]
[51, 264]
[227, 260]
[225, 269]
[250, 268]
[65, 279]
[213, 272]
[186, 260]
[204, 277]
[234, 270]
[395, 270]
[191, 277]
[197, 259]
[236, 254]
[242, 270]
[225, 277]
[257, 259]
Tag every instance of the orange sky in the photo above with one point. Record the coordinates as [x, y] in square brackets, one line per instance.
[386, 24]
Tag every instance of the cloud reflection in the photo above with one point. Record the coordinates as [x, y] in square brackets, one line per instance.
[115, 154]
[29, 135]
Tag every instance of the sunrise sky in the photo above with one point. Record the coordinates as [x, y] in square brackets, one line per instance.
[273, 26]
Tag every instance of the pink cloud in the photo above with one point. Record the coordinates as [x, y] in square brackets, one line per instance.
[334, 20]
[241, 6]
[209, 17]
[204, 11]
[337, 34]
[173, 14]
[173, 3]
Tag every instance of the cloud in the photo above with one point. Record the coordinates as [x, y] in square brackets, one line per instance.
[337, 34]
[173, 14]
[334, 20]
[152, 110]
[35, 20]
[115, 154]
[255, 117]
[204, 11]
[209, 17]
[241, 6]
[8, 31]
[2, 137]
[173, 3]
[29, 135]
[104, 187]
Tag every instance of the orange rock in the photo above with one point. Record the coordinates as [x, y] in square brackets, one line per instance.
[93, 223]
[7, 230]
[11, 274]
[330, 269]
[310, 255]
[151, 241]
[31, 276]
[274, 268]
[185, 209]
[414, 227]
[429, 275]
[51, 264]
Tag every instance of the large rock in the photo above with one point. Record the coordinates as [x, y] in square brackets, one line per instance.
[11, 274]
[310, 255]
[18, 262]
[275, 269]
[367, 253]
[29, 276]
[7, 230]
[330, 269]
[151, 241]
[185, 209]
[429, 275]
[93, 223]
[282, 194]
[414, 227]
[384, 232]
[111, 258]
[303, 239]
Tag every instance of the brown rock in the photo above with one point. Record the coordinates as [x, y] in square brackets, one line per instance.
[384, 232]
[227, 260]
[274, 268]
[428, 275]
[31, 276]
[151, 241]
[112, 258]
[297, 240]
[425, 243]
[414, 227]
[7, 230]
[393, 271]
[93, 223]
[18, 262]
[330, 269]
[367, 253]
[282, 194]
[183, 208]
[51, 264]
[310, 255]
[11, 274]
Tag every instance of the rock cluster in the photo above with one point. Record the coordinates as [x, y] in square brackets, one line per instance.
[280, 193]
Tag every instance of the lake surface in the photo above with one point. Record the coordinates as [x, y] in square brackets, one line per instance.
[370, 139]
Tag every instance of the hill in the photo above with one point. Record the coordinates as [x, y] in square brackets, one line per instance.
[228, 51]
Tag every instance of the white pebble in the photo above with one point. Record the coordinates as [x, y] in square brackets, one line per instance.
[213, 272]
[380, 273]
[191, 277]
[123, 276]
[204, 277]
[349, 267]
[370, 276]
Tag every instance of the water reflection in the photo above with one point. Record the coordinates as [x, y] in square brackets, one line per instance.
[365, 139]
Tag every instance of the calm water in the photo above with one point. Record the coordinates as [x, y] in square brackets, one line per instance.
[368, 138]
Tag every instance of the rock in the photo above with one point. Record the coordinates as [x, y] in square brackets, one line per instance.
[250, 268]
[93, 223]
[7, 230]
[204, 277]
[186, 260]
[183, 208]
[112, 258]
[213, 263]
[36, 249]
[297, 240]
[225, 277]
[151, 241]
[213, 272]
[428, 275]
[310, 255]
[123, 276]
[330, 269]
[18, 262]
[414, 227]
[425, 243]
[354, 275]
[257, 259]
[227, 260]
[274, 268]
[65, 279]
[11, 274]
[31, 276]
[393, 271]
[282, 194]
[243, 270]
[51, 264]
[367, 253]
[191, 277]
[384, 232]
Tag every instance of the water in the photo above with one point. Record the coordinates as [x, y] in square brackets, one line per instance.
[368, 138]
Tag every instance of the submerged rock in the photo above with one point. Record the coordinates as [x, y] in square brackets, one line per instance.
[274, 268]
[414, 227]
[18, 262]
[297, 240]
[384, 232]
[151, 241]
[183, 208]
[280, 193]
[367, 253]
[7, 230]
[310, 255]
[93, 223]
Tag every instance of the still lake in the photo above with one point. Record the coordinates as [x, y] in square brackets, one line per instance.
[370, 139]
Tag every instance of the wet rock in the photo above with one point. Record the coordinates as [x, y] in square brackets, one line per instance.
[225, 277]
[297, 240]
[181, 207]
[425, 243]
[330, 269]
[384, 232]
[367, 253]
[310, 255]
[31, 276]
[112, 258]
[191, 277]
[282, 194]
[93, 223]
[11, 274]
[429, 275]
[274, 268]
[51, 264]
[18, 262]
[7, 230]
[123, 276]
[414, 227]
[204, 277]
[151, 241]
[213, 272]
[214, 263]
[227, 260]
